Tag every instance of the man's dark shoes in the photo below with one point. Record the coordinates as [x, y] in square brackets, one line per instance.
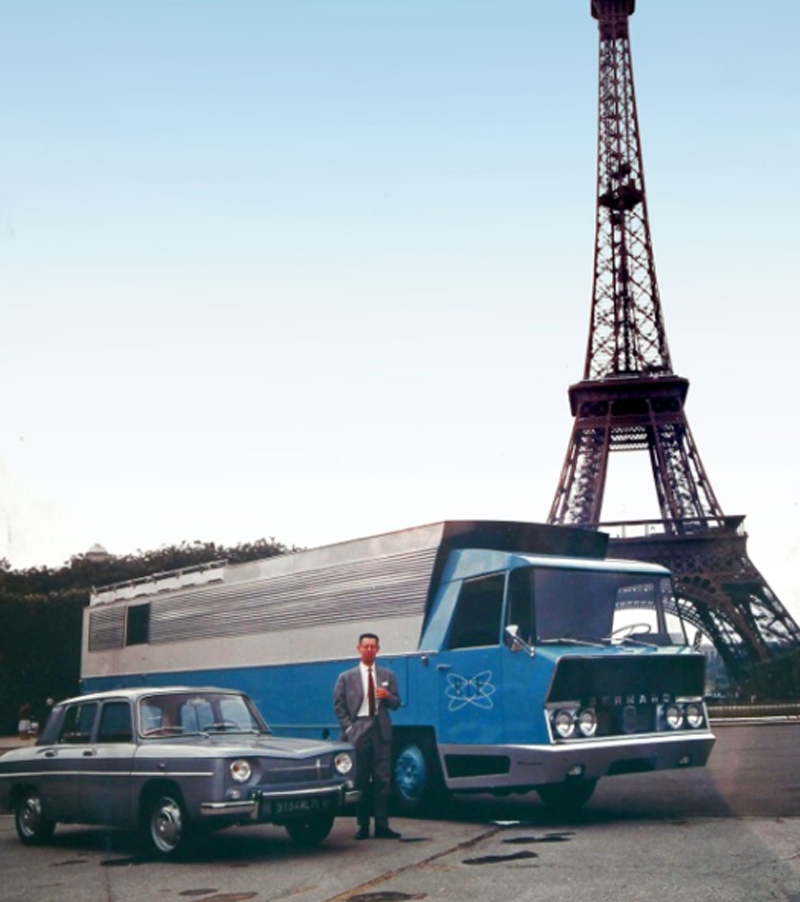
[363, 833]
[386, 833]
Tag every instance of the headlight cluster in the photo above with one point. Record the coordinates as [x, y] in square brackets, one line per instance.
[241, 770]
[574, 722]
[680, 714]
[343, 763]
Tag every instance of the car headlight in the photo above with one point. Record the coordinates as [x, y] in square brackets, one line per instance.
[564, 723]
[673, 715]
[587, 722]
[694, 715]
[343, 763]
[241, 770]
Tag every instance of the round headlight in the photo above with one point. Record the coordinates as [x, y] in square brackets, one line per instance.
[343, 763]
[241, 770]
[564, 723]
[694, 715]
[587, 722]
[673, 715]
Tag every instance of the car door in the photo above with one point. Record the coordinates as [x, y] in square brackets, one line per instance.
[64, 792]
[106, 766]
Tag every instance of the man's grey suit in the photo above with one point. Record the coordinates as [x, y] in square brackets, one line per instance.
[371, 736]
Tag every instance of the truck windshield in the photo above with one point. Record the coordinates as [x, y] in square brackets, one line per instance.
[594, 606]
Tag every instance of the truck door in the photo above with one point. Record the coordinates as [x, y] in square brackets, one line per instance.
[470, 696]
[525, 677]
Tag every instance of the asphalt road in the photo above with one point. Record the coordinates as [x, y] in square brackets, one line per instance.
[729, 832]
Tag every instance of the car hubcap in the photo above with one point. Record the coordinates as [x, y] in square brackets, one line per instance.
[167, 825]
[30, 816]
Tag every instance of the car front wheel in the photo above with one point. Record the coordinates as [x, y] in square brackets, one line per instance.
[310, 831]
[33, 828]
[166, 825]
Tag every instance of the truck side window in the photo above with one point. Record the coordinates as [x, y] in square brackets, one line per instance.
[478, 612]
[521, 603]
[137, 630]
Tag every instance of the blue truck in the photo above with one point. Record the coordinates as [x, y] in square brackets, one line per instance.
[526, 659]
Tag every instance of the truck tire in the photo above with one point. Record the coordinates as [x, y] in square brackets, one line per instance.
[417, 783]
[567, 797]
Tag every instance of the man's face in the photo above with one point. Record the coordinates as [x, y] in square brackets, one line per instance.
[368, 650]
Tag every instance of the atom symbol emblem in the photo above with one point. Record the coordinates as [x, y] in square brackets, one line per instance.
[463, 691]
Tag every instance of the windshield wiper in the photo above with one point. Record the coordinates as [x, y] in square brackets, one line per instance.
[168, 731]
[629, 640]
[569, 640]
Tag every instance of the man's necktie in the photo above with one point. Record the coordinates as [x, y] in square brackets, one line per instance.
[371, 693]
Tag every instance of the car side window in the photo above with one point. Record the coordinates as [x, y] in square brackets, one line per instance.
[115, 723]
[76, 727]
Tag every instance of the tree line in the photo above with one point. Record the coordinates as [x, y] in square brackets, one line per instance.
[41, 611]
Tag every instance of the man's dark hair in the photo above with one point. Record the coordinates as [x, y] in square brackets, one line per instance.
[364, 636]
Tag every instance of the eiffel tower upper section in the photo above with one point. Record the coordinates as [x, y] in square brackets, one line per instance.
[630, 398]
[627, 336]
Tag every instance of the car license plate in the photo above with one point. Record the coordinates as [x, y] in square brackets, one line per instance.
[285, 807]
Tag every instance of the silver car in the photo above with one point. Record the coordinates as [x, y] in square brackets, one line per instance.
[173, 763]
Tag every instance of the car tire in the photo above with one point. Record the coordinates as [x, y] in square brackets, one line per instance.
[166, 828]
[311, 831]
[33, 828]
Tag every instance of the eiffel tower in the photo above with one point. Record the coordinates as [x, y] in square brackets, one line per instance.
[631, 400]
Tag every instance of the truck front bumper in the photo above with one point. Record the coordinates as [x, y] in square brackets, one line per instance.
[522, 767]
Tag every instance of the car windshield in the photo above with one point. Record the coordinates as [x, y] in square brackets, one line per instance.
[184, 713]
[550, 605]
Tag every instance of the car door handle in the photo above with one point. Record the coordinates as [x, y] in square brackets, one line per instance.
[444, 666]
[89, 753]
[50, 753]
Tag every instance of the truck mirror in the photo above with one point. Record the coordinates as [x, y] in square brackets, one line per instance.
[514, 641]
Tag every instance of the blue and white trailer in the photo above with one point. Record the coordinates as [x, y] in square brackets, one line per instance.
[525, 658]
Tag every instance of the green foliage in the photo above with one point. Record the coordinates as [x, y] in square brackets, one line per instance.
[41, 615]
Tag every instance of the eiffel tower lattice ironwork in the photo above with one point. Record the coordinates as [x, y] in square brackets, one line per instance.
[630, 399]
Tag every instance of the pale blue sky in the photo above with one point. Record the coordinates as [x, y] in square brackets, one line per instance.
[314, 269]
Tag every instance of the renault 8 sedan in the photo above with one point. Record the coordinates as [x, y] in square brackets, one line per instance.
[173, 763]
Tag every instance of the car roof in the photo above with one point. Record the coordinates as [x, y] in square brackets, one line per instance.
[139, 691]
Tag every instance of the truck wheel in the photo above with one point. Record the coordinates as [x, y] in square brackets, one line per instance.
[33, 828]
[418, 786]
[311, 831]
[567, 797]
[166, 826]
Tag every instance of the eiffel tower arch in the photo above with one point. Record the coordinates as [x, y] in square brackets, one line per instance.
[631, 400]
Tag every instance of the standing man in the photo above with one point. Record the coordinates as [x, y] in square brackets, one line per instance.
[362, 698]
